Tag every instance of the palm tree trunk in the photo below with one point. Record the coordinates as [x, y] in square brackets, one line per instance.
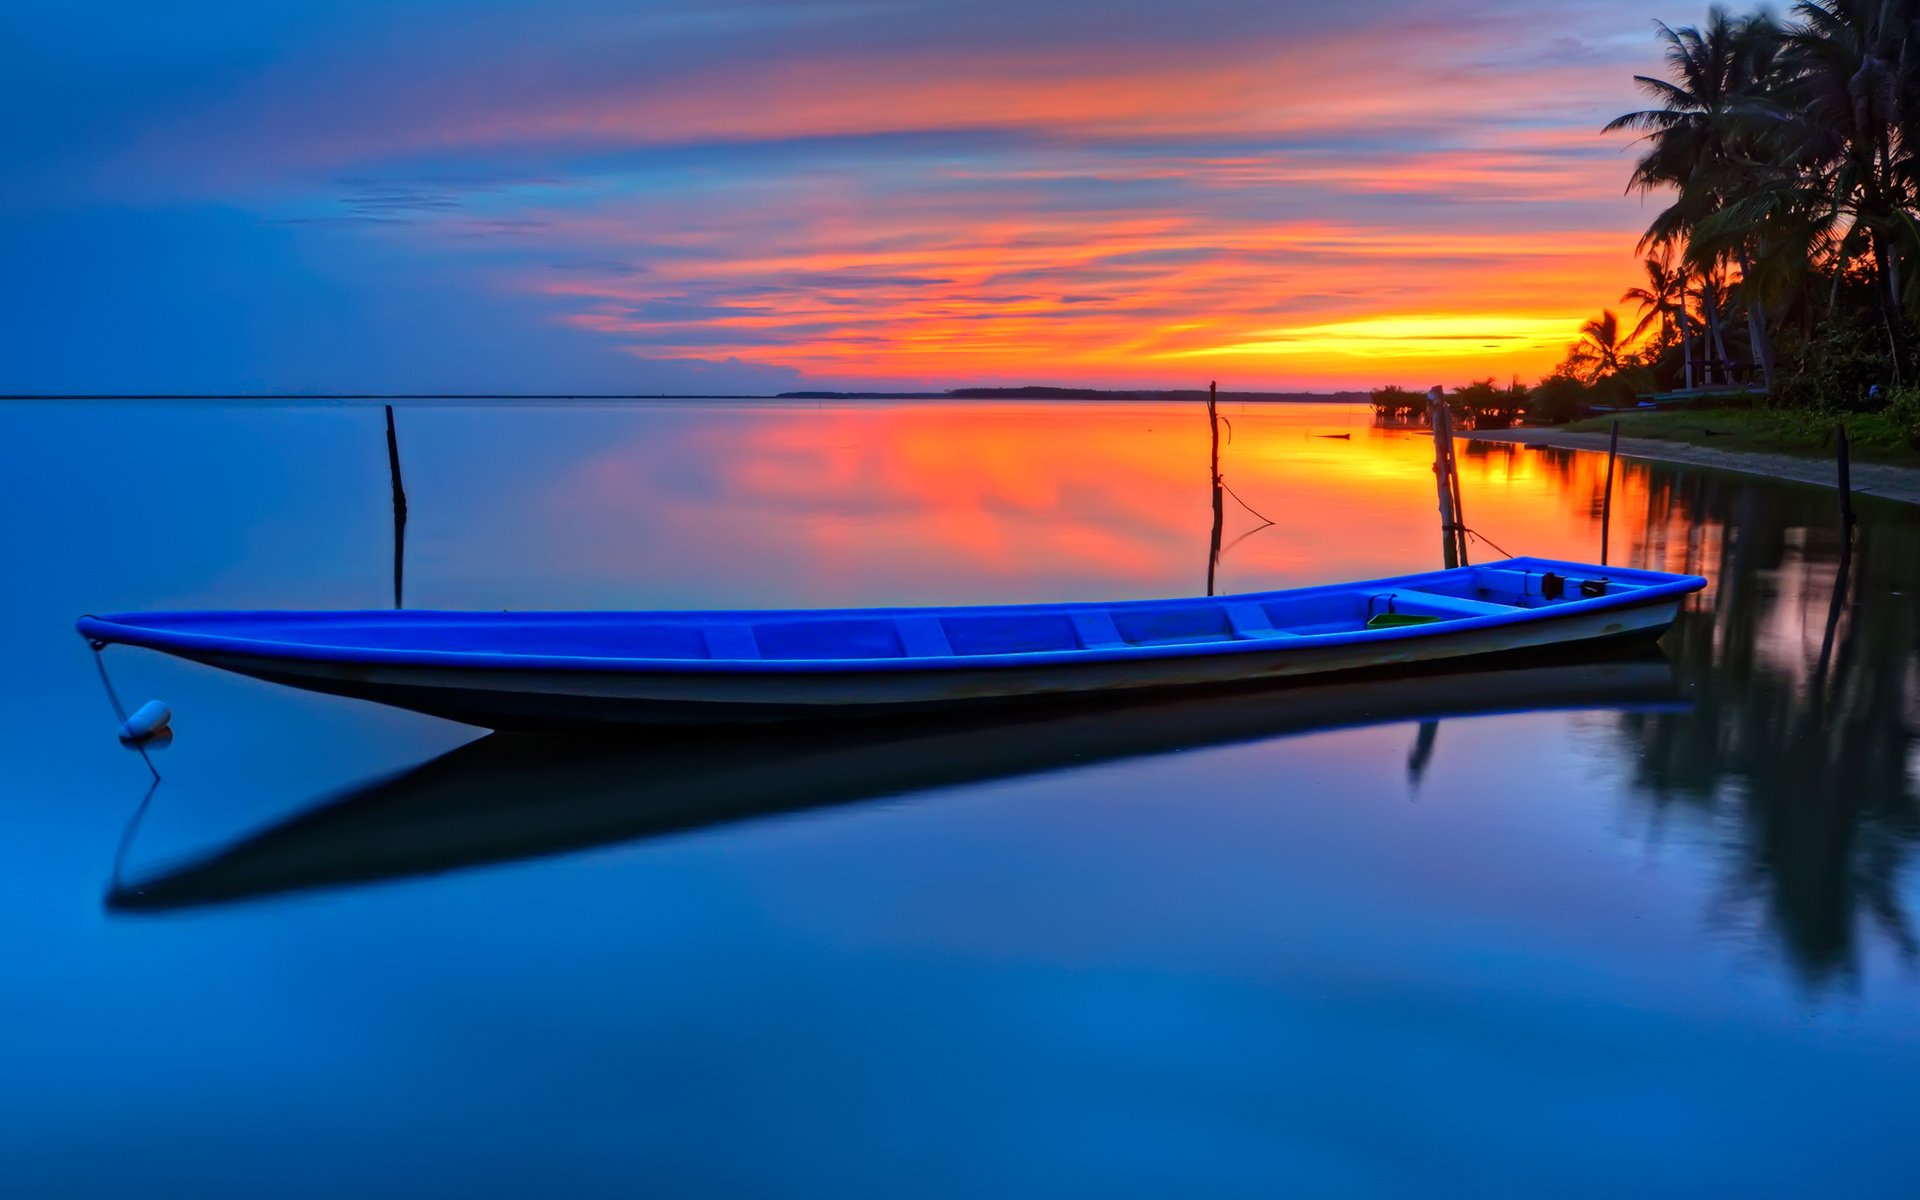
[1888, 261]
[1713, 323]
[1757, 323]
[1893, 278]
[1706, 336]
[1686, 343]
[1896, 315]
[1706, 350]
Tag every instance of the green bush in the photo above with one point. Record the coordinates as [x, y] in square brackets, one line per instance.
[1559, 398]
[1902, 415]
[1837, 369]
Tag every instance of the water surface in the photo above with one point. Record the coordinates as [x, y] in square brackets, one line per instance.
[1643, 929]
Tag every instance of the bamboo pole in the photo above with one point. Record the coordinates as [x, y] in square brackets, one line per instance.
[1606, 496]
[1459, 507]
[1438, 419]
[1213, 481]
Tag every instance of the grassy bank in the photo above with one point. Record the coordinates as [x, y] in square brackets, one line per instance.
[1873, 437]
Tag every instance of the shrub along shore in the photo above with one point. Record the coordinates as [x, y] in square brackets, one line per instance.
[1875, 477]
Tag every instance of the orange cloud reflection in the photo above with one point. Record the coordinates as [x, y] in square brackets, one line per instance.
[936, 502]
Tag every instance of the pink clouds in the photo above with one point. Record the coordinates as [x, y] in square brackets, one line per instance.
[1104, 194]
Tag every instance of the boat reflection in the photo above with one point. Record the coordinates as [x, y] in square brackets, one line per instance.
[508, 797]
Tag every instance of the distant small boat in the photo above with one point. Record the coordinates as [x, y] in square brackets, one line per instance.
[533, 670]
[1334, 436]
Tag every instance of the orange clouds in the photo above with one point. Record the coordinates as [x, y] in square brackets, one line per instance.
[878, 295]
[1280, 196]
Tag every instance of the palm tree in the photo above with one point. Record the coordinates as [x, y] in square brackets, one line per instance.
[1664, 301]
[1852, 97]
[1790, 153]
[1597, 354]
[1705, 141]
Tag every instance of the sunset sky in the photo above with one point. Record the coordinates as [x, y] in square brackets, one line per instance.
[753, 195]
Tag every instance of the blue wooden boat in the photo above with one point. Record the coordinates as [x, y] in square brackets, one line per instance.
[519, 670]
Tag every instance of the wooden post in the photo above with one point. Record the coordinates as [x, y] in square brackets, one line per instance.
[1459, 507]
[1213, 481]
[1438, 418]
[399, 508]
[1846, 480]
[1606, 496]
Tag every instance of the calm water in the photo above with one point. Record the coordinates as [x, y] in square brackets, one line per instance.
[1643, 930]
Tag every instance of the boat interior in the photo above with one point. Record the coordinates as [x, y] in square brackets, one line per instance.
[1506, 589]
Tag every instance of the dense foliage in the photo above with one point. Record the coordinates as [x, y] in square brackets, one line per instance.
[1785, 264]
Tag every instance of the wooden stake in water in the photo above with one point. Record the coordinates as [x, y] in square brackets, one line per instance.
[1459, 506]
[1213, 481]
[1606, 496]
[1440, 420]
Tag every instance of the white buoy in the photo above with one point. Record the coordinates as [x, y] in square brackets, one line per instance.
[147, 720]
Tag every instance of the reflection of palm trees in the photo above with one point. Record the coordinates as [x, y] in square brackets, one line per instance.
[1799, 743]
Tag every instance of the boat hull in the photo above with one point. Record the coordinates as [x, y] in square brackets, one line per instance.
[546, 670]
[544, 698]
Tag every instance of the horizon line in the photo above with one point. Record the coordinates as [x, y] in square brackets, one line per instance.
[822, 394]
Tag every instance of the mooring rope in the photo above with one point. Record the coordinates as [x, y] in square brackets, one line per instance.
[1243, 504]
[146, 801]
[1471, 532]
[113, 698]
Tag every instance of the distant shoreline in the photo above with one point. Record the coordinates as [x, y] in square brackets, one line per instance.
[1065, 393]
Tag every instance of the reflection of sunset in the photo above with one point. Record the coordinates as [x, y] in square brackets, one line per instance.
[934, 502]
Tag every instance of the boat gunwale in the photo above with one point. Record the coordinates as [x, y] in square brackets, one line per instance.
[1649, 588]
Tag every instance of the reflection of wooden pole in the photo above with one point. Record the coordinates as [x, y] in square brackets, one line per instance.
[399, 508]
[1422, 751]
[1438, 418]
[1835, 606]
[1213, 481]
[1846, 480]
[1606, 496]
